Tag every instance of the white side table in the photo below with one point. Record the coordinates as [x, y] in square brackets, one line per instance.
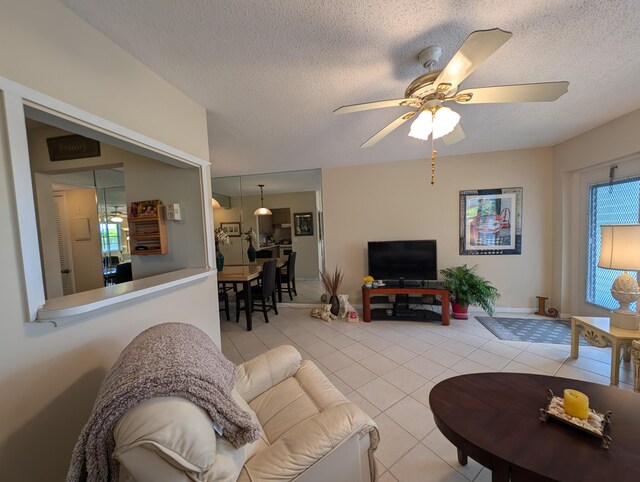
[598, 332]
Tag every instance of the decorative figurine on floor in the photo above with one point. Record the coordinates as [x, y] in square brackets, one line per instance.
[552, 312]
[352, 317]
[323, 314]
[345, 306]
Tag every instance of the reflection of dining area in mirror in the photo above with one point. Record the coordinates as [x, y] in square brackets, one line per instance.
[256, 285]
[283, 213]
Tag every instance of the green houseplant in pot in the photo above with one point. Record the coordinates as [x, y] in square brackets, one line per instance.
[466, 287]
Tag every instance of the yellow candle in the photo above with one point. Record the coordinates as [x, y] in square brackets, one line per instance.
[576, 404]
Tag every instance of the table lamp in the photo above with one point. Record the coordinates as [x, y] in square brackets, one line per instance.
[620, 249]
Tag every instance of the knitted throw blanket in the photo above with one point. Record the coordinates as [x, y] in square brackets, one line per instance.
[171, 359]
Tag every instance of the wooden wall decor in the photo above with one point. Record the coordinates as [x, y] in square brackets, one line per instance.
[74, 146]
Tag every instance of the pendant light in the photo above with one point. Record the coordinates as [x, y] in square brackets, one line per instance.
[262, 211]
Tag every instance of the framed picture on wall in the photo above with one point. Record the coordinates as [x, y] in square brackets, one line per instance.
[491, 221]
[303, 224]
[232, 229]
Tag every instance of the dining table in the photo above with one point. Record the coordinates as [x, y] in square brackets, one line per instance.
[245, 274]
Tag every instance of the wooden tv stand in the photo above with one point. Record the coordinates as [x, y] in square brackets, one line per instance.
[368, 293]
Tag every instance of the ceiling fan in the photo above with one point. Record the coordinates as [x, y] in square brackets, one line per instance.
[427, 93]
[117, 216]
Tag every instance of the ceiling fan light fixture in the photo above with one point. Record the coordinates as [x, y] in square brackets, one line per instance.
[444, 121]
[421, 127]
[262, 211]
[439, 122]
[116, 219]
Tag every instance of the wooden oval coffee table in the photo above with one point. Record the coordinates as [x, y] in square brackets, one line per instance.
[494, 419]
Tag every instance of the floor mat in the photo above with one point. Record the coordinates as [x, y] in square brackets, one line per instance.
[535, 330]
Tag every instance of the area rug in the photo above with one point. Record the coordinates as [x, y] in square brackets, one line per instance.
[535, 330]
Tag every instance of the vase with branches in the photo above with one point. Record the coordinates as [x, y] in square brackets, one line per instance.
[250, 236]
[221, 237]
[331, 283]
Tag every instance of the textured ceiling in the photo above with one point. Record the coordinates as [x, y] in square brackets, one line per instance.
[270, 73]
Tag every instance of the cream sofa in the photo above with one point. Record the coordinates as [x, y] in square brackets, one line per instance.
[311, 432]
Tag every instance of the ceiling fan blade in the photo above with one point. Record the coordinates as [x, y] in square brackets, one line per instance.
[543, 92]
[456, 135]
[389, 128]
[347, 109]
[477, 48]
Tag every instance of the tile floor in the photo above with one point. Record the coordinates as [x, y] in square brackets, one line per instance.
[389, 367]
[309, 291]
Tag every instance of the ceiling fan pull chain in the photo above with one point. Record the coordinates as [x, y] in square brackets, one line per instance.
[433, 163]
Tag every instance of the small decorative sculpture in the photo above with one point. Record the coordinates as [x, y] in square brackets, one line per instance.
[323, 314]
[551, 312]
[326, 314]
[352, 317]
[345, 306]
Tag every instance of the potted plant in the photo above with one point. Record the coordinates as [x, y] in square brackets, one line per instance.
[331, 283]
[221, 238]
[250, 236]
[466, 287]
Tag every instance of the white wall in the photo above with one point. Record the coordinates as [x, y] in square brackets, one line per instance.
[48, 48]
[603, 145]
[48, 376]
[394, 201]
[86, 253]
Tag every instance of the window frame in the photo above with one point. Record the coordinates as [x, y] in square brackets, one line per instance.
[592, 231]
[15, 99]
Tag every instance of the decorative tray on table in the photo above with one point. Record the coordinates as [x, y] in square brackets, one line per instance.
[595, 424]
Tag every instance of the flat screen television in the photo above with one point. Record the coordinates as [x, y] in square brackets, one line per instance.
[411, 260]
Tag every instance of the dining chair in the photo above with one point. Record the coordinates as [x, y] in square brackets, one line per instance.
[288, 277]
[223, 302]
[123, 273]
[261, 292]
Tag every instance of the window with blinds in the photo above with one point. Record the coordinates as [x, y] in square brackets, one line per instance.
[617, 202]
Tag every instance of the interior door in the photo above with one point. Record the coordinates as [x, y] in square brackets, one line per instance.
[68, 283]
[626, 169]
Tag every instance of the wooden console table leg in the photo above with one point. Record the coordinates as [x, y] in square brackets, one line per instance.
[445, 308]
[462, 458]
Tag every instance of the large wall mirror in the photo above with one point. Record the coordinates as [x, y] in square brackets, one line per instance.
[295, 224]
[86, 236]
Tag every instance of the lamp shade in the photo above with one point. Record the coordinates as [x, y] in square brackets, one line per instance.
[620, 247]
[262, 212]
[215, 204]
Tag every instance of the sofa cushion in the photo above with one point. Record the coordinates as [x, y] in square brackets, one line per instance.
[264, 371]
[177, 430]
[229, 460]
[307, 442]
[294, 400]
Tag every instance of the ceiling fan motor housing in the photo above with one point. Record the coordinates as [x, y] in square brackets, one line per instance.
[430, 56]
